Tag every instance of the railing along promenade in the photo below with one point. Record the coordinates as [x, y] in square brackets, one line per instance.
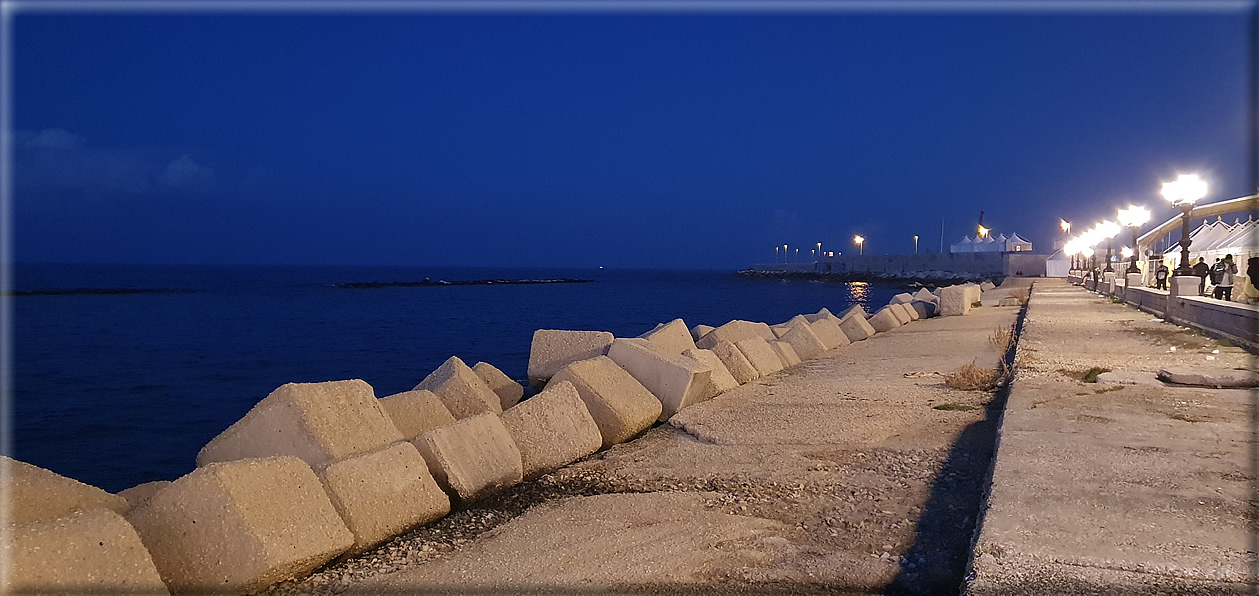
[1181, 304]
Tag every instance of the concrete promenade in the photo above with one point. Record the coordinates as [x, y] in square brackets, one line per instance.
[849, 473]
[1123, 486]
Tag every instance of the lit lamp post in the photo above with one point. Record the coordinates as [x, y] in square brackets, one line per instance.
[1182, 194]
[1133, 218]
[1088, 258]
[1108, 230]
[915, 243]
[1071, 250]
[861, 244]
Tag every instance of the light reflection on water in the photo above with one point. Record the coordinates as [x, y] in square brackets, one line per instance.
[859, 293]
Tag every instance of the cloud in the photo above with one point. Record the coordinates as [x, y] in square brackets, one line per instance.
[56, 162]
[185, 174]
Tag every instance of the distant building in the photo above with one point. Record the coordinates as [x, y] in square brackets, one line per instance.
[988, 243]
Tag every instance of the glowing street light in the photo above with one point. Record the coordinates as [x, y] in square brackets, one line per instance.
[1108, 230]
[1133, 218]
[1088, 254]
[915, 243]
[1126, 252]
[861, 244]
[1065, 225]
[983, 232]
[1182, 194]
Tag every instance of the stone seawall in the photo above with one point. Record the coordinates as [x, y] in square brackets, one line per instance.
[927, 266]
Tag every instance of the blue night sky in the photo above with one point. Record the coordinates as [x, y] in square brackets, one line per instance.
[653, 140]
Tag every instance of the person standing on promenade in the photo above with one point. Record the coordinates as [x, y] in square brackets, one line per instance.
[1160, 276]
[1202, 269]
[1224, 271]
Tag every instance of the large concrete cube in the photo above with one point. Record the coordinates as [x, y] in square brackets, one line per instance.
[821, 314]
[829, 332]
[782, 328]
[552, 429]
[699, 331]
[898, 311]
[141, 493]
[902, 298]
[416, 412]
[241, 525]
[925, 295]
[472, 458]
[382, 494]
[855, 311]
[36, 493]
[804, 342]
[675, 380]
[508, 391]
[786, 353]
[954, 301]
[91, 551]
[721, 380]
[738, 365]
[908, 310]
[884, 320]
[856, 328]
[923, 309]
[620, 405]
[733, 332]
[461, 390]
[986, 285]
[553, 349]
[763, 358]
[317, 422]
[672, 337]
[973, 292]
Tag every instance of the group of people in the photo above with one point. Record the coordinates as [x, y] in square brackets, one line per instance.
[1221, 274]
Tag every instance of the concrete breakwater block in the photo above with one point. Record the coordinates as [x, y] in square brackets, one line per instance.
[804, 342]
[93, 551]
[784, 327]
[902, 298]
[552, 429]
[973, 292]
[416, 412]
[699, 331]
[1010, 302]
[738, 365]
[733, 332]
[241, 525]
[923, 309]
[36, 493]
[898, 311]
[954, 301]
[884, 321]
[721, 380]
[908, 308]
[141, 493]
[821, 314]
[925, 295]
[620, 406]
[553, 349]
[675, 380]
[461, 390]
[317, 422]
[382, 494]
[472, 458]
[786, 353]
[856, 328]
[829, 332]
[508, 391]
[987, 285]
[672, 337]
[763, 358]
[855, 311]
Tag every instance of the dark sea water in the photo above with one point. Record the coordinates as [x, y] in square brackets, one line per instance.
[119, 389]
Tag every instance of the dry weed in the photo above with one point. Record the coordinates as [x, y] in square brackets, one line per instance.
[972, 378]
[1002, 339]
[1021, 293]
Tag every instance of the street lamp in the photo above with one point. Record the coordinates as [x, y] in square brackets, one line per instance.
[1065, 225]
[1108, 230]
[861, 244]
[1133, 218]
[1088, 256]
[1182, 194]
[1071, 249]
[983, 232]
[915, 243]
[1127, 252]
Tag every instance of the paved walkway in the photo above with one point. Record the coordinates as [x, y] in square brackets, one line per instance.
[1127, 485]
[850, 473]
